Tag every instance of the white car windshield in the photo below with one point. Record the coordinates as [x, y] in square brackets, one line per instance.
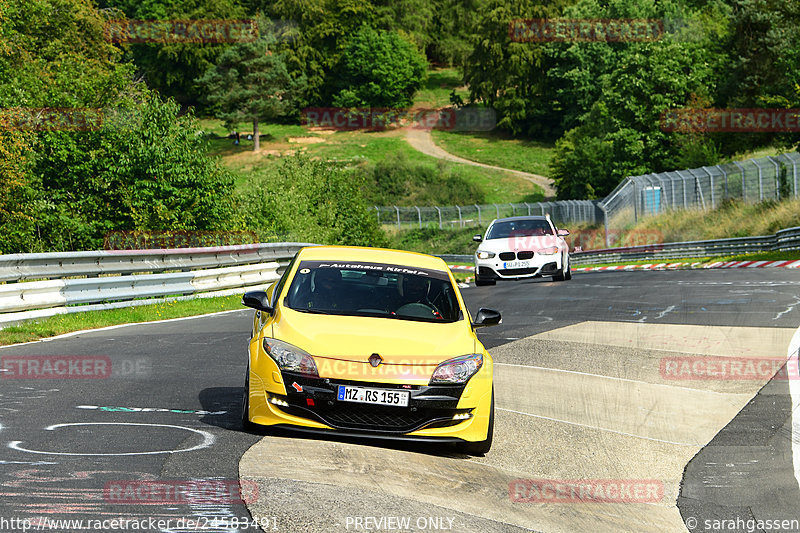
[519, 228]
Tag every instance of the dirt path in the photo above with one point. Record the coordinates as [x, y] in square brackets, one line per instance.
[421, 140]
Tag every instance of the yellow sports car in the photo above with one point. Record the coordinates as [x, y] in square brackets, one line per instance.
[369, 342]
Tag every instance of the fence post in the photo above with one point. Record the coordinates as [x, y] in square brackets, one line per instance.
[398, 215]
[378, 212]
[760, 183]
[605, 222]
[497, 209]
[460, 221]
[711, 177]
[744, 183]
[777, 178]
[635, 202]
[726, 180]
[440, 216]
[479, 214]
[419, 216]
[529, 208]
[683, 184]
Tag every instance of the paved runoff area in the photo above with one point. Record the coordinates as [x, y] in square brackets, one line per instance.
[626, 401]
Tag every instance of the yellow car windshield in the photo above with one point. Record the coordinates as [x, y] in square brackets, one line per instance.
[373, 289]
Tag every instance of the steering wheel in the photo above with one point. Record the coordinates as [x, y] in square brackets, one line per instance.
[418, 309]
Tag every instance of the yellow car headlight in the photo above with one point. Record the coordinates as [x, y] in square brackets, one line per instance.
[457, 370]
[290, 358]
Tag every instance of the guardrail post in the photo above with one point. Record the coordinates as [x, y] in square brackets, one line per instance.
[440, 216]
[419, 216]
[760, 182]
[460, 221]
[398, 215]
[479, 214]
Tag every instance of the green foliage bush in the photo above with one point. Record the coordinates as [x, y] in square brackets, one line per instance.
[397, 181]
[310, 201]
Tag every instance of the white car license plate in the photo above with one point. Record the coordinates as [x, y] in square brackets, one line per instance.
[516, 264]
[373, 396]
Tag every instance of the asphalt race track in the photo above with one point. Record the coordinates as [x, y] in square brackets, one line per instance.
[591, 392]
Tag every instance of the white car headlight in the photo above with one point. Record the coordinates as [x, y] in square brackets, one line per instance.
[290, 358]
[457, 370]
[486, 255]
[548, 251]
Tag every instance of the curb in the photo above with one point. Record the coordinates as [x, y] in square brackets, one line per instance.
[693, 266]
[674, 266]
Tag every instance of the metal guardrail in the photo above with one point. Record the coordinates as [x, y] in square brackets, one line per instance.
[786, 239]
[53, 265]
[76, 281]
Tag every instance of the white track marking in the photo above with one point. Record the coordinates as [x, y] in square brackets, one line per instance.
[208, 439]
[612, 377]
[599, 428]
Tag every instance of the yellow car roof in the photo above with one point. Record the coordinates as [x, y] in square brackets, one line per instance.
[372, 255]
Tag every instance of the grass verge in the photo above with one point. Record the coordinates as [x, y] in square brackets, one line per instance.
[498, 149]
[57, 325]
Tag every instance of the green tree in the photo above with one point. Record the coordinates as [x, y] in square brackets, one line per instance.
[251, 82]
[143, 168]
[379, 69]
[171, 68]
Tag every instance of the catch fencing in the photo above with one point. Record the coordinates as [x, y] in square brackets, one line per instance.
[461, 216]
[753, 180]
[704, 188]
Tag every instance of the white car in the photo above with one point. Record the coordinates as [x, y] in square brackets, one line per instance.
[521, 247]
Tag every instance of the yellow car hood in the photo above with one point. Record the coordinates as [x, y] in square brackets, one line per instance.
[342, 345]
